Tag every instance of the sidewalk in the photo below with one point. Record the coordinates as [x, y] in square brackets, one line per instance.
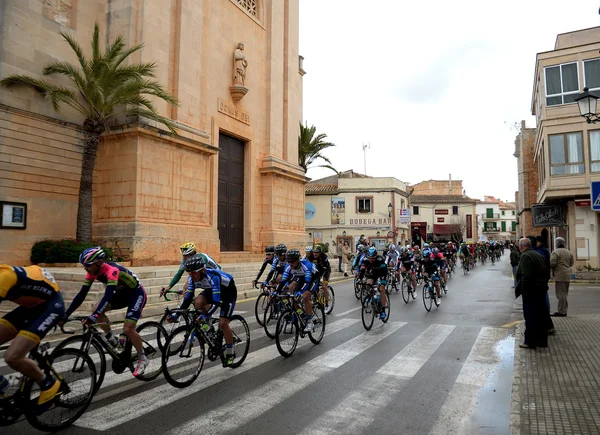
[557, 390]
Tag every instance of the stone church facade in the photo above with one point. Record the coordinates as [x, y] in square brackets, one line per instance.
[229, 181]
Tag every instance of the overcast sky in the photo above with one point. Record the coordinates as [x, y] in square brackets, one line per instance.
[433, 86]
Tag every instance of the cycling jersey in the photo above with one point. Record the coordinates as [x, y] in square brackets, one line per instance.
[122, 289]
[375, 269]
[357, 261]
[208, 260]
[407, 259]
[266, 262]
[40, 303]
[431, 264]
[217, 287]
[277, 268]
[304, 274]
[391, 259]
[26, 286]
[323, 266]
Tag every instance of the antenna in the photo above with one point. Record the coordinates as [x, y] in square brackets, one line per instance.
[364, 147]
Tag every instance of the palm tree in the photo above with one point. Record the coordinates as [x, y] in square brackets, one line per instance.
[310, 148]
[109, 87]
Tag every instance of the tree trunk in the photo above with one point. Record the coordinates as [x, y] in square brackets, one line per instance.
[84, 211]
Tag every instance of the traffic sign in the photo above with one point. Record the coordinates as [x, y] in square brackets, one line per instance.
[595, 195]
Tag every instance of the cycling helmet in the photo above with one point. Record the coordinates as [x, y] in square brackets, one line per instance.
[435, 250]
[194, 263]
[187, 248]
[308, 249]
[372, 252]
[270, 249]
[90, 255]
[292, 255]
[318, 249]
[391, 247]
[426, 252]
[280, 249]
[426, 245]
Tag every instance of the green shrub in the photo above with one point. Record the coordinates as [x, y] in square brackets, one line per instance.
[63, 251]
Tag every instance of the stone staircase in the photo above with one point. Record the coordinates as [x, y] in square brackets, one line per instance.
[153, 278]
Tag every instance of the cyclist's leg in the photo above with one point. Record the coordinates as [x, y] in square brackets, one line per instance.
[306, 298]
[227, 306]
[382, 291]
[134, 312]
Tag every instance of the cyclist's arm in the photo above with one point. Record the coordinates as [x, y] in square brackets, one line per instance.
[79, 298]
[262, 269]
[176, 278]
[216, 293]
[189, 295]
[308, 278]
[111, 286]
[284, 278]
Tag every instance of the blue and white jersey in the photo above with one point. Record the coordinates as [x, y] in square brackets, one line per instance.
[279, 266]
[214, 280]
[303, 273]
[392, 257]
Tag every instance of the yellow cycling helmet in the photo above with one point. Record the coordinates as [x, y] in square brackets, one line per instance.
[187, 248]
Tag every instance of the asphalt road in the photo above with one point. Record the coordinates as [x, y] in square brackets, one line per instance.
[446, 371]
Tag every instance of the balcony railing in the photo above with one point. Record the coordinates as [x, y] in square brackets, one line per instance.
[494, 216]
[491, 230]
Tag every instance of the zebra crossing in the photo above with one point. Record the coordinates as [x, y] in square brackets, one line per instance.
[123, 400]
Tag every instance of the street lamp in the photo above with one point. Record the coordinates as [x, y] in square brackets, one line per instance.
[587, 106]
[344, 233]
[390, 208]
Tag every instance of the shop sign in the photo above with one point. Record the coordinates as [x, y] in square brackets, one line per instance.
[583, 202]
[546, 216]
[404, 216]
[443, 211]
[440, 219]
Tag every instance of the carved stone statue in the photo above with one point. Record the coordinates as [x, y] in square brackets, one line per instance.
[239, 66]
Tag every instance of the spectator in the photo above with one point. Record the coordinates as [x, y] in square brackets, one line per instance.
[561, 261]
[540, 247]
[346, 254]
[515, 256]
[340, 253]
[532, 285]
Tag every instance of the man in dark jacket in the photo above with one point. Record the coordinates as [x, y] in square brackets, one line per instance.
[515, 256]
[540, 247]
[532, 285]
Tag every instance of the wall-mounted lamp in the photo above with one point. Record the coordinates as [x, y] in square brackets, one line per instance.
[310, 235]
[344, 233]
[378, 233]
[390, 208]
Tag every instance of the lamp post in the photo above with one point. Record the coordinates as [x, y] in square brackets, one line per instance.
[587, 106]
[390, 208]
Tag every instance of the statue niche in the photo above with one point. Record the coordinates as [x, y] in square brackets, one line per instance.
[240, 64]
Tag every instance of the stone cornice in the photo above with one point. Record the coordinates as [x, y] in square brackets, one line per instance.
[147, 130]
[44, 118]
[275, 165]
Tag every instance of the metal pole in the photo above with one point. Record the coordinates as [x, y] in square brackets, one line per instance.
[364, 147]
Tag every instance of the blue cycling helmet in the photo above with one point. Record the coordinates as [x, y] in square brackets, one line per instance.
[372, 252]
[91, 255]
[426, 252]
[425, 245]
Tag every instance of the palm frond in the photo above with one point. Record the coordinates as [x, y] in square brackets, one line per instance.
[83, 61]
[126, 54]
[113, 50]
[310, 147]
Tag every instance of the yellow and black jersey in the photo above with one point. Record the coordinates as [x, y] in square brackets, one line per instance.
[26, 286]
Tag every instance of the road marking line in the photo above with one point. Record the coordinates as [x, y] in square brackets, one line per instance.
[511, 324]
[461, 402]
[358, 410]
[343, 313]
[135, 406]
[258, 401]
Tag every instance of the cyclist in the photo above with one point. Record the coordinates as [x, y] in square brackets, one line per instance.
[187, 250]
[122, 289]
[392, 260]
[268, 261]
[301, 274]
[360, 254]
[278, 265]
[374, 268]
[465, 254]
[407, 261]
[430, 268]
[441, 262]
[217, 286]
[323, 270]
[40, 307]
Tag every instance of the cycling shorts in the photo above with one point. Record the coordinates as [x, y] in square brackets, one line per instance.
[228, 299]
[134, 300]
[408, 267]
[35, 322]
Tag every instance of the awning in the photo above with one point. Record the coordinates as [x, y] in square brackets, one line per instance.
[442, 229]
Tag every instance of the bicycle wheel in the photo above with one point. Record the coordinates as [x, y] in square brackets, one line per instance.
[287, 334]
[241, 339]
[270, 318]
[386, 308]
[357, 288]
[262, 301]
[154, 342]
[427, 297]
[78, 374]
[368, 313]
[183, 360]
[98, 356]
[388, 285]
[405, 293]
[319, 319]
[434, 296]
[363, 293]
[182, 319]
[329, 306]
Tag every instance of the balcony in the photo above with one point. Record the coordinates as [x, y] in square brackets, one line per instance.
[491, 230]
[485, 217]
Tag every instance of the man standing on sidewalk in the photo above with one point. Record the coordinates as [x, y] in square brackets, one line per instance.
[515, 256]
[561, 261]
[532, 284]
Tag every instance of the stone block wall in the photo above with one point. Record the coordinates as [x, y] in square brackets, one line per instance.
[438, 187]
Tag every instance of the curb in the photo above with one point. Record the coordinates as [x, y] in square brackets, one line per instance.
[515, 401]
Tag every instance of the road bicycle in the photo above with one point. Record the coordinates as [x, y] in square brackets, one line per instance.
[76, 372]
[407, 287]
[358, 287]
[262, 301]
[429, 292]
[372, 306]
[319, 296]
[292, 323]
[174, 317]
[189, 345]
[391, 281]
[154, 338]
[465, 266]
